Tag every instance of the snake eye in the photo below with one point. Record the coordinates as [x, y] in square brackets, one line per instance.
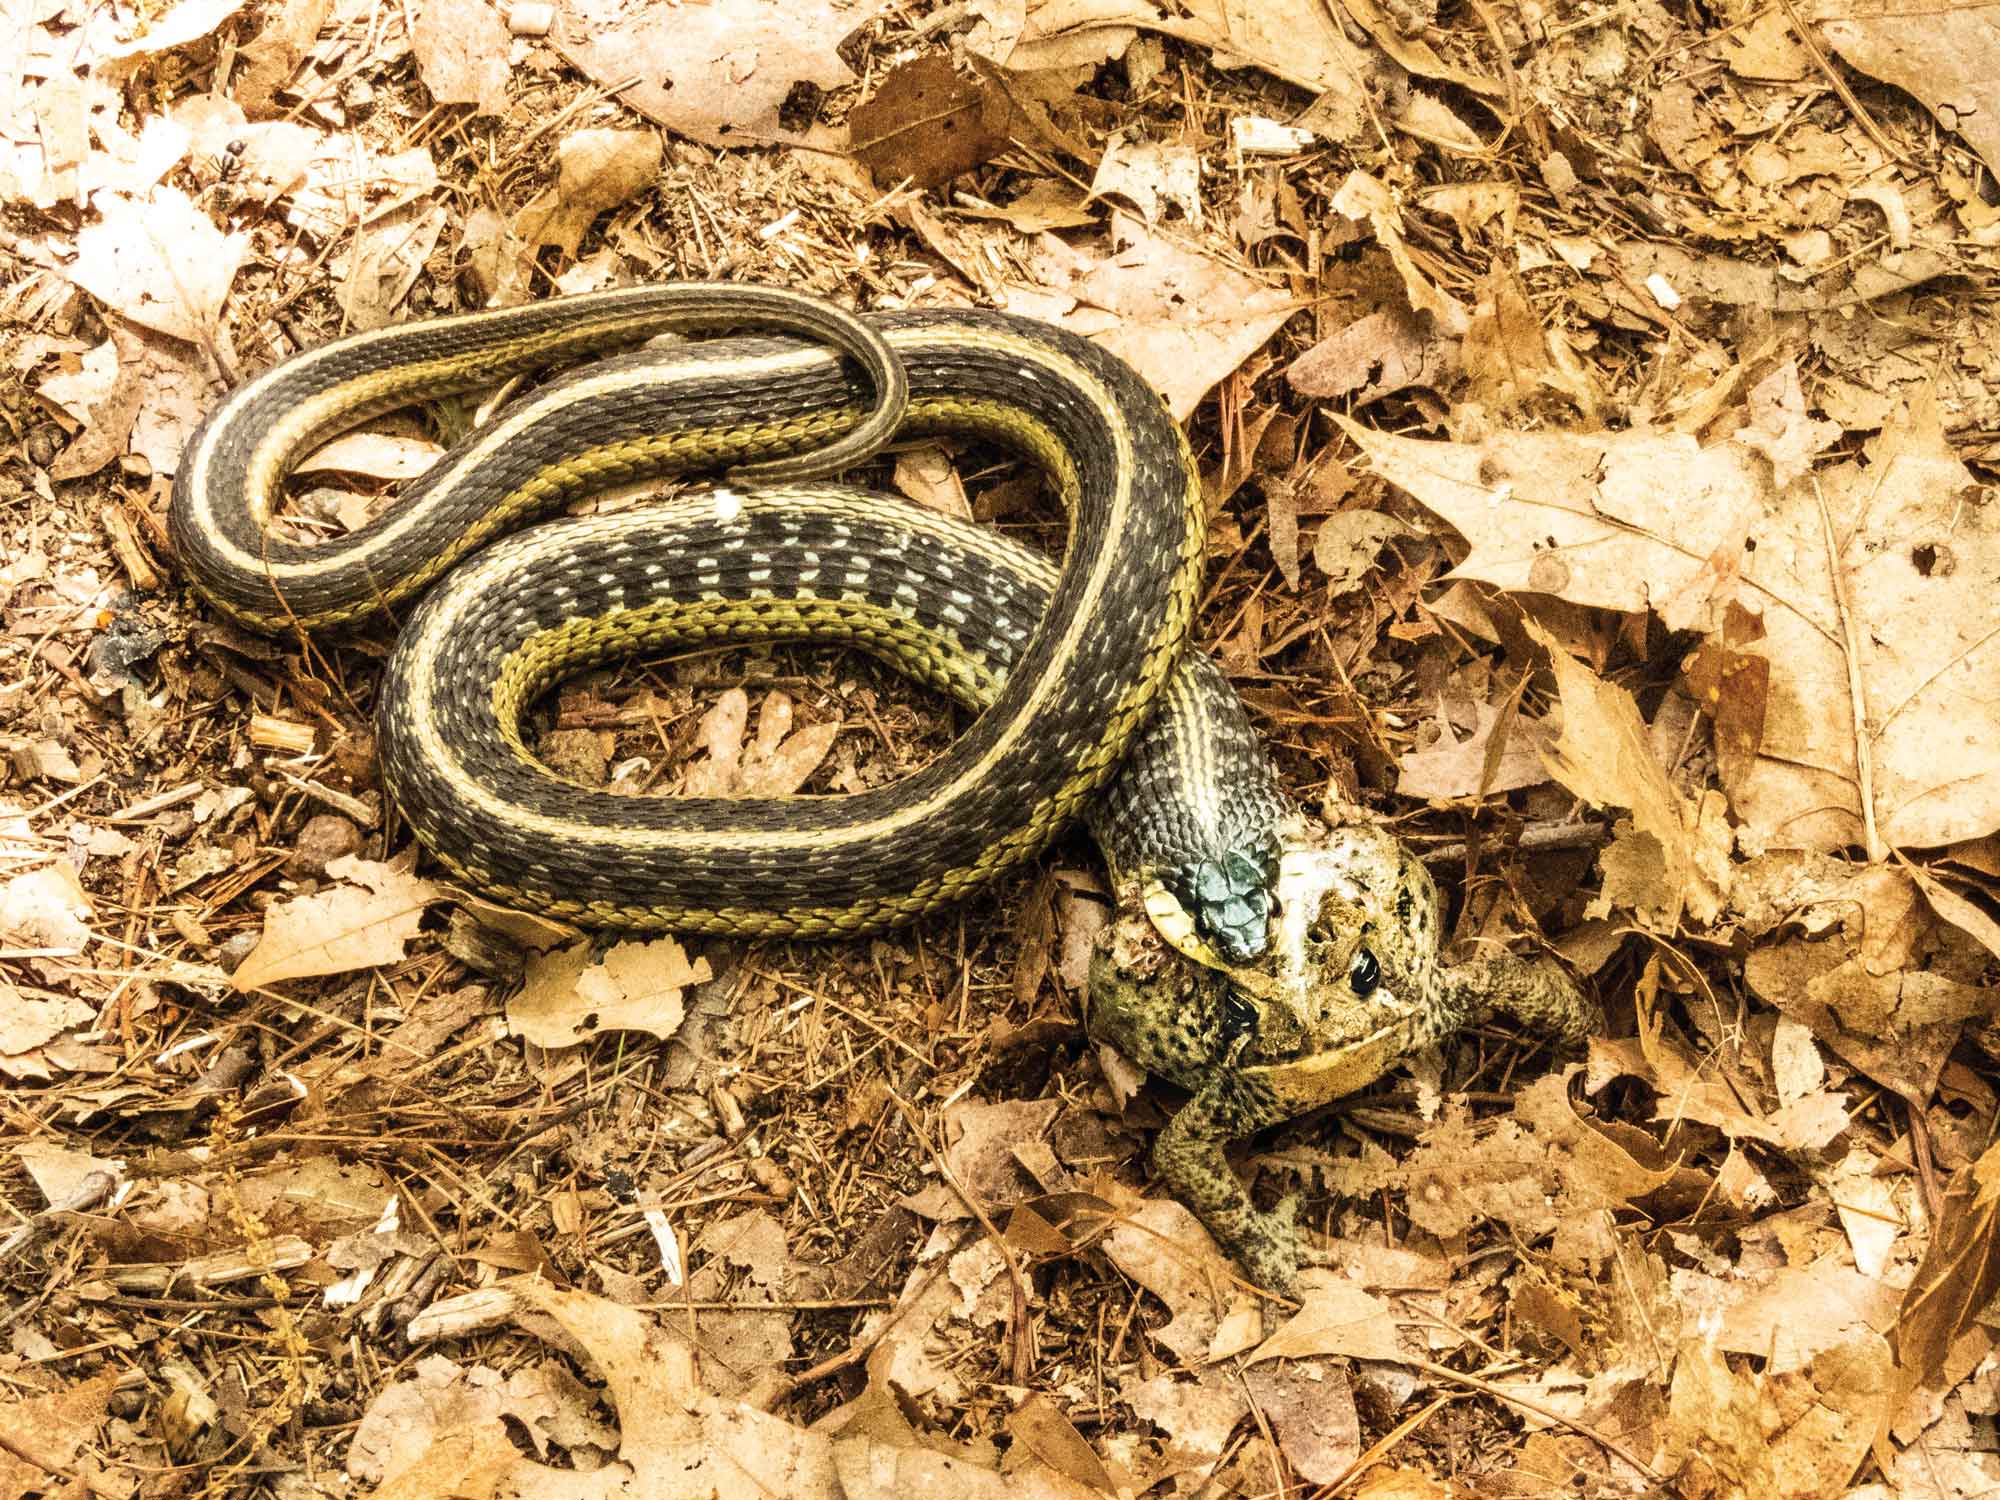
[1238, 1019]
[1364, 973]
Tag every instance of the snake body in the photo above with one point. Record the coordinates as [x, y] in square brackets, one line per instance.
[1065, 664]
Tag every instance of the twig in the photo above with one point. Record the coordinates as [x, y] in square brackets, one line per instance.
[1850, 647]
[1536, 838]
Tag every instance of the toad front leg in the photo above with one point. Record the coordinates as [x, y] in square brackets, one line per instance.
[1186, 1023]
[1189, 1156]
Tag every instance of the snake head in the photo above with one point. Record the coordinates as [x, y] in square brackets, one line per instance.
[1230, 900]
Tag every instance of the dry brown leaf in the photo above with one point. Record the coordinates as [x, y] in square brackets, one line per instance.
[29, 1021]
[1198, 1413]
[720, 734]
[46, 1433]
[1958, 1277]
[173, 26]
[722, 73]
[345, 927]
[1375, 356]
[407, 1417]
[1163, 1247]
[788, 765]
[674, 1436]
[926, 124]
[1334, 1317]
[1039, 1425]
[275, 53]
[1310, 1406]
[1674, 855]
[927, 475]
[1300, 41]
[1879, 609]
[597, 170]
[461, 48]
[384, 259]
[1949, 59]
[1348, 543]
[1180, 318]
[566, 998]
[45, 909]
[159, 261]
[1459, 767]
[1584, 516]
[1368, 200]
[376, 455]
[1152, 177]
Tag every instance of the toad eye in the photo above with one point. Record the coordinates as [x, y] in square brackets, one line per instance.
[1364, 973]
[1238, 1019]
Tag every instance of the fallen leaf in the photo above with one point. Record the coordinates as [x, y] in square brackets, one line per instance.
[159, 261]
[272, 57]
[1347, 544]
[719, 73]
[29, 1021]
[47, 1432]
[45, 908]
[1949, 60]
[373, 454]
[1584, 516]
[345, 927]
[1163, 1247]
[597, 170]
[1675, 853]
[1039, 1426]
[1151, 176]
[1334, 1317]
[189, 21]
[927, 124]
[1197, 1412]
[567, 998]
[1310, 1406]
[1455, 766]
[548, 1404]
[1879, 610]
[1957, 1278]
[1299, 41]
[461, 49]
[1180, 318]
[383, 260]
[1375, 356]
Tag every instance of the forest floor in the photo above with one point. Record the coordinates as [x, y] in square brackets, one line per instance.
[1598, 409]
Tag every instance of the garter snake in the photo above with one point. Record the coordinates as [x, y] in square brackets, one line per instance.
[1063, 690]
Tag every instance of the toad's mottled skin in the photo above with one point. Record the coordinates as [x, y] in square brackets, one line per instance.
[1352, 983]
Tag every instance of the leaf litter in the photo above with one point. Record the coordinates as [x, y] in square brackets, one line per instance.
[1599, 431]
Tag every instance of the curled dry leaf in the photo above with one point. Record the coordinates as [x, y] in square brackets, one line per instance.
[1674, 855]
